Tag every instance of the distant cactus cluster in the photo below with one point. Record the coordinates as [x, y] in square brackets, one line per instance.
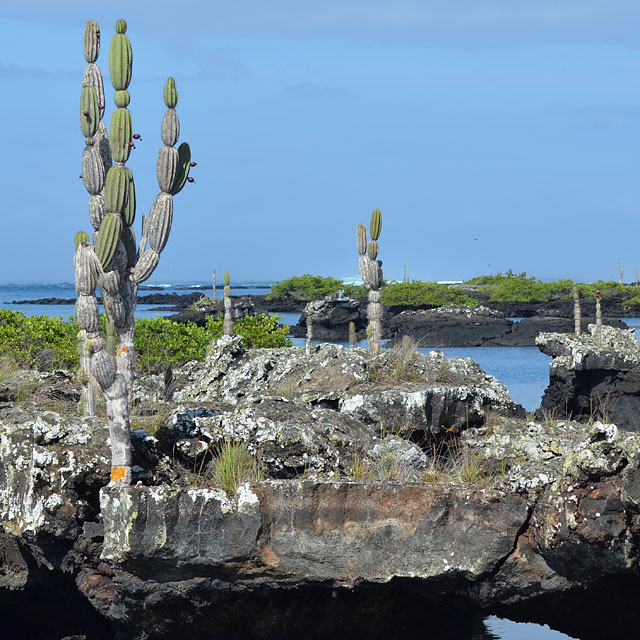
[371, 274]
[114, 263]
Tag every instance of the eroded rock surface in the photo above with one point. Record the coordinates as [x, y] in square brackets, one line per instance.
[408, 494]
[594, 380]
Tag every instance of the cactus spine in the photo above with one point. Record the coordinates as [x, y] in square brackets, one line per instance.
[227, 326]
[371, 274]
[576, 310]
[114, 264]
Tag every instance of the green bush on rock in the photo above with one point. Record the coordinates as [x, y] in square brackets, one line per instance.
[430, 294]
[306, 288]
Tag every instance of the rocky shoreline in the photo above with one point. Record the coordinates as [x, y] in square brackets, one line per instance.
[400, 491]
[448, 326]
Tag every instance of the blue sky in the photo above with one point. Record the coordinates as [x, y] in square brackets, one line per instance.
[492, 134]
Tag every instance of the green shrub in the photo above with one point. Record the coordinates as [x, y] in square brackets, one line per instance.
[429, 294]
[307, 287]
[511, 287]
[38, 341]
[44, 342]
[159, 342]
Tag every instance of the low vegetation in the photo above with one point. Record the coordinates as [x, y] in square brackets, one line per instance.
[49, 343]
[307, 287]
[424, 294]
[511, 287]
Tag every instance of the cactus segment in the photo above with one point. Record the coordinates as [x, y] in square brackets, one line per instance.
[376, 224]
[120, 61]
[170, 128]
[227, 290]
[129, 211]
[91, 41]
[121, 26]
[82, 237]
[120, 135]
[372, 250]
[102, 142]
[361, 239]
[103, 368]
[129, 242]
[116, 189]
[167, 167]
[145, 266]
[89, 112]
[93, 78]
[184, 158]
[108, 237]
[92, 170]
[170, 94]
[115, 310]
[122, 99]
[226, 279]
[97, 210]
[87, 314]
[109, 282]
[87, 268]
[160, 221]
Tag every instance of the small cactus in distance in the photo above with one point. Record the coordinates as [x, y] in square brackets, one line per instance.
[352, 334]
[598, 335]
[308, 310]
[227, 325]
[371, 274]
[576, 310]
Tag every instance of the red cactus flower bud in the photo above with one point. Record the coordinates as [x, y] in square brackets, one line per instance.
[80, 176]
[132, 145]
[136, 136]
[193, 164]
[86, 114]
[190, 179]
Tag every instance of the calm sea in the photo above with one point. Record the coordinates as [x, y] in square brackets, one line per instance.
[523, 370]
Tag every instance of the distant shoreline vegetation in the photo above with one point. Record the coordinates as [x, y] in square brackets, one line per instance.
[508, 287]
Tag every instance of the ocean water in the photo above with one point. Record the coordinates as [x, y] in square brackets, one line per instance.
[523, 370]
[12, 293]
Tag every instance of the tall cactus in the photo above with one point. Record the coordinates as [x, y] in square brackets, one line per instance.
[113, 263]
[371, 274]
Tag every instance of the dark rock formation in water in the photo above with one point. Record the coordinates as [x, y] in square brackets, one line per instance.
[591, 380]
[331, 317]
[406, 496]
[477, 327]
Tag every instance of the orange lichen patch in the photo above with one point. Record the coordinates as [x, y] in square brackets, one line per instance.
[268, 557]
[122, 350]
[118, 474]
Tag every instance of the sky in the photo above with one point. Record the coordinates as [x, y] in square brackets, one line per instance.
[492, 135]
